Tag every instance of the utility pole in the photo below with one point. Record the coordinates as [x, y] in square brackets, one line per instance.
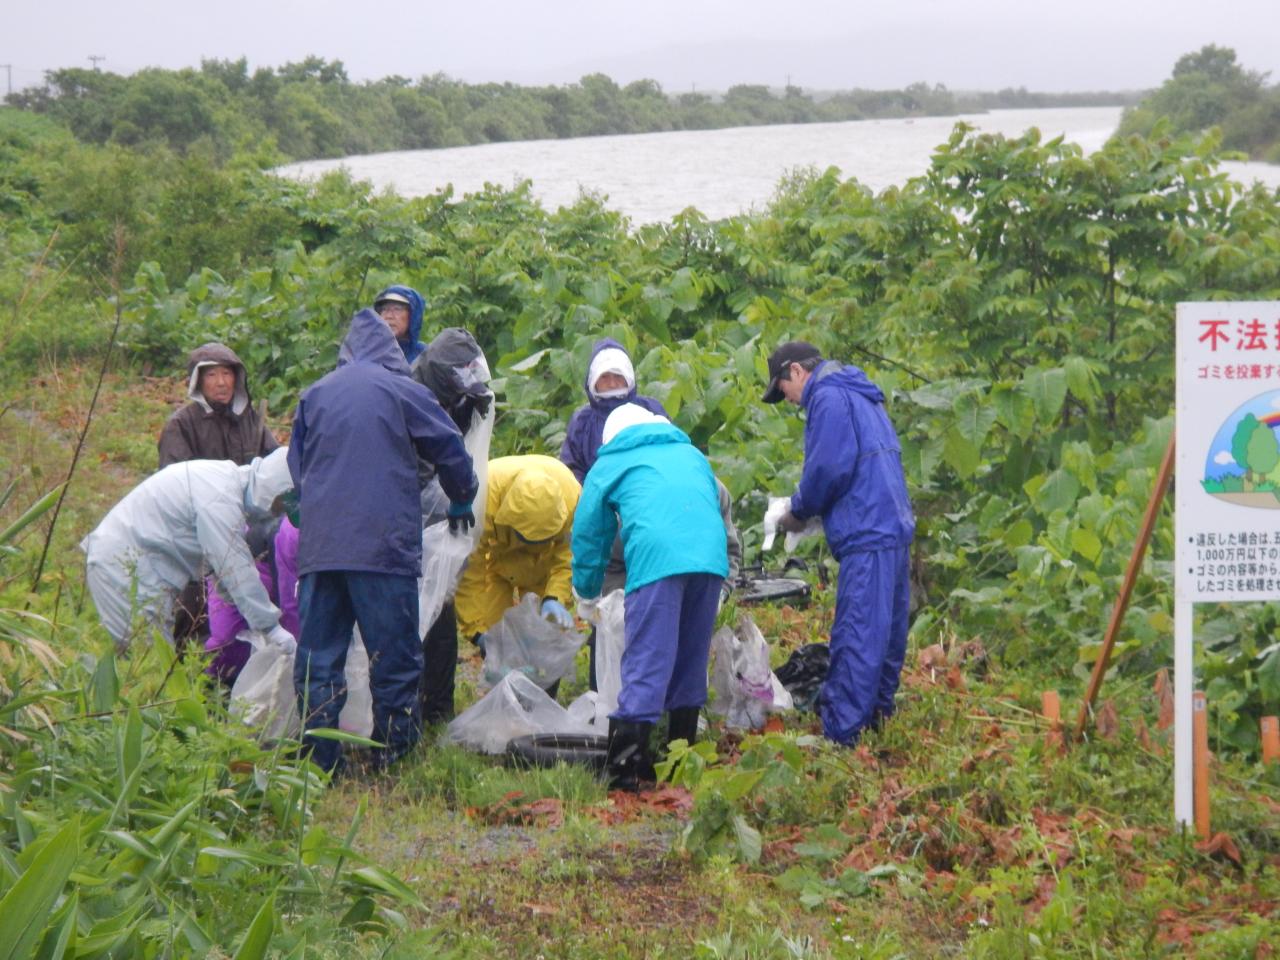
[9, 72]
[95, 58]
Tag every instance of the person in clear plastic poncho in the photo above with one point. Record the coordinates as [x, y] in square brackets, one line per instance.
[178, 524]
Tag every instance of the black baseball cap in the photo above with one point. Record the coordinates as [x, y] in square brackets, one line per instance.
[793, 351]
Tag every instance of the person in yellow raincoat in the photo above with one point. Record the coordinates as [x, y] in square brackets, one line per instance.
[525, 544]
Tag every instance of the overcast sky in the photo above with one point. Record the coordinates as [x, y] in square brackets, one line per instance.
[710, 44]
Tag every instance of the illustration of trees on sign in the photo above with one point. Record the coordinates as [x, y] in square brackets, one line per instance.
[1243, 465]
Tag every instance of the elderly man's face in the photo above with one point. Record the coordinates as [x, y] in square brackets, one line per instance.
[610, 381]
[218, 383]
[793, 386]
[396, 316]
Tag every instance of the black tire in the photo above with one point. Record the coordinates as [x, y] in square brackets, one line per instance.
[769, 589]
[548, 749]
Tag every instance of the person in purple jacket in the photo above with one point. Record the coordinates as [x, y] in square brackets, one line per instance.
[275, 547]
[610, 382]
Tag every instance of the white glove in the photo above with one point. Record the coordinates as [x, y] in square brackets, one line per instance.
[588, 609]
[282, 638]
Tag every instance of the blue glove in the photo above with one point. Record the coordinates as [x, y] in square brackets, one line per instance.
[460, 517]
[554, 610]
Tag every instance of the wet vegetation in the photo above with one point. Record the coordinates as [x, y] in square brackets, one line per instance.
[1015, 302]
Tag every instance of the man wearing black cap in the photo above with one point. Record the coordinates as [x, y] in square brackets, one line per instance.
[853, 479]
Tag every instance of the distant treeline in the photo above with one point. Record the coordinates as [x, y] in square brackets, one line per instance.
[1210, 89]
[312, 109]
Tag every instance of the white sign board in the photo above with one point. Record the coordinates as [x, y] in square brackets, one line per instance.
[1227, 501]
[1228, 467]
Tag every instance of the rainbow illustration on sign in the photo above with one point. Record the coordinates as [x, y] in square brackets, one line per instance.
[1243, 464]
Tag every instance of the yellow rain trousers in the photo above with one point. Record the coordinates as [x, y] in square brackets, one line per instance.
[533, 496]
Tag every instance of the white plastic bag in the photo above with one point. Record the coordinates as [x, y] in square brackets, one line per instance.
[357, 713]
[607, 613]
[263, 695]
[444, 554]
[745, 687]
[774, 512]
[516, 707]
[526, 642]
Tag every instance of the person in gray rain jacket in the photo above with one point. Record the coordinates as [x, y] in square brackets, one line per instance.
[178, 524]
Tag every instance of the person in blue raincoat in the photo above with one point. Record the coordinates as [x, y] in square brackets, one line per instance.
[401, 309]
[357, 436]
[853, 480]
[654, 485]
[610, 382]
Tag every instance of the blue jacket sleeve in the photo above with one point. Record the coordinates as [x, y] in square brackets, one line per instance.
[438, 439]
[570, 455]
[830, 455]
[595, 526]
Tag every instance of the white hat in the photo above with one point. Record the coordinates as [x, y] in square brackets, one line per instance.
[611, 360]
[628, 415]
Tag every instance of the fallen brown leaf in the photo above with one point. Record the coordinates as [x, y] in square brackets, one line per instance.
[1221, 845]
[1107, 721]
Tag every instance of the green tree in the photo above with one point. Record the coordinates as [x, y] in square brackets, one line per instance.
[1240, 441]
[1263, 451]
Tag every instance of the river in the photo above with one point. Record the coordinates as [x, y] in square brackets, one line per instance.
[653, 176]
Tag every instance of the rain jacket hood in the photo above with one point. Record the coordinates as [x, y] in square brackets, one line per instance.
[453, 367]
[534, 506]
[607, 404]
[264, 480]
[653, 482]
[216, 355]
[410, 345]
[369, 340]
[586, 427]
[531, 496]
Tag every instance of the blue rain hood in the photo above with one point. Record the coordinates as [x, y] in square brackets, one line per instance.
[411, 344]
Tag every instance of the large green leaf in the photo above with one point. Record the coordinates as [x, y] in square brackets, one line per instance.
[258, 939]
[974, 417]
[1047, 390]
[30, 901]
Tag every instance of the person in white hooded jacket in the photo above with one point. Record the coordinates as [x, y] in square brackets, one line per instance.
[177, 525]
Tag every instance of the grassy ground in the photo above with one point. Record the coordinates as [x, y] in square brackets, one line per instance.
[964, 828]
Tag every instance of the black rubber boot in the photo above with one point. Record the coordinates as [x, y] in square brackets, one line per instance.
[630, 761]
[682, 724]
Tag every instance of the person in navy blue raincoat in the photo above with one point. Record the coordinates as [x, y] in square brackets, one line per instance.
[357, 436]
[853, 480]
[610, 382]
[651, 485]
[401, 309]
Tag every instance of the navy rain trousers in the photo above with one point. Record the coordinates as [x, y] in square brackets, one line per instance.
[668, 643]
[868, 642]
[330, 603]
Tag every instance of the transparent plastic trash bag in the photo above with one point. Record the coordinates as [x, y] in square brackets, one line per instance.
[262, 696]
[516, 707]
[745, 687]
[524, 641]
[606, 613]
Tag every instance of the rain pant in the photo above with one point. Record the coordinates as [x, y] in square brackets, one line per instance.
[531, 497]
[853, 479]
[278, 570]
[584, 435]
[177, 524]
[654, 483]
[410, 346]
[205, 431]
